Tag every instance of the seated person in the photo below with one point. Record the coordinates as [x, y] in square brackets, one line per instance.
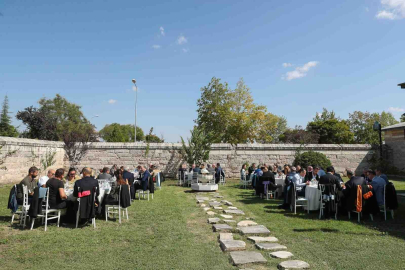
[105, 174]
[71, 178]
[194, 169]
[86, 183]
[280, 174]
[300, 183]
[350, 190]
[203, 170]
[378, 184]
[329, 179]
[143, 178]
[57, 194]
[292, 177]
[211, 170]
[259, 171]
[42, 181]
[269, 176]
[29, 182]
[113, 196]
[379, 173]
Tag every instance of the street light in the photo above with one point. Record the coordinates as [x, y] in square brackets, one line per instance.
[136, 101]
[377, 127]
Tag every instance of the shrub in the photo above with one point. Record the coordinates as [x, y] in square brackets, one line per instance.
[311, 158]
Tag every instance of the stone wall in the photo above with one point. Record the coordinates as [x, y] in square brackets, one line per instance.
[167, 157]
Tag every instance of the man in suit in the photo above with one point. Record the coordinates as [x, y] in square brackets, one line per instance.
[330, 180]
[105, 175]
[350, 190]
[218, 173]
[145, 178]
[127, 175]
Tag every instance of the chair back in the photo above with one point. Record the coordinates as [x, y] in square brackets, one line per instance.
[25, 195]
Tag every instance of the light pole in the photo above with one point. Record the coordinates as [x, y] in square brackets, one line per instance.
[377, 127]
[136, 101]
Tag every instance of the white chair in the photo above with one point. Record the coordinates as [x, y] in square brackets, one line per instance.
[243, 182]
[93, 220]
[143, 193]
[383, 208]
[359, 214]
[22, 210]
[295, 199]
[270, 193]
[116, 209]
[327, 197]
[47, 213]
[222, 179]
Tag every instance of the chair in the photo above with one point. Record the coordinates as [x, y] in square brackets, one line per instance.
[383, 208]
[295, 199]
[358, 213]
[23, 209]
[222, 178]
[48, 212]
[181, 178]
[143, 193]
[267, 192]
[116, 209]
[93, 220]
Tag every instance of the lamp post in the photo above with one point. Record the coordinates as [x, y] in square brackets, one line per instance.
[136, 101]
[377, 127]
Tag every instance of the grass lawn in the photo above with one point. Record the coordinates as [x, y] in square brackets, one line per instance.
[171, 232]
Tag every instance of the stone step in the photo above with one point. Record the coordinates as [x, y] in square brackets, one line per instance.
[202, 198]
[235, 212]
[232, 208]
[254, 230]
[259, 239]
[270, 246]
[218, 208]
[294, 264]
[213, 204]
[206, 208]
[225, 236]
[245, 257]
[210, 213]
[246, 223]
[281, 254]
[203, 205]
[214, 220]
[222, 228]
[226, 202]
[226, 216]
[232, 245]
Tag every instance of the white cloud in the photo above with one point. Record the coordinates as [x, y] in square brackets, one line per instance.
[112, 101]
[391, 10]
[287, 65]
[181, 40]
[396, 109]
[300, 72]
[156, 46]
[162, 31]
[185, 50]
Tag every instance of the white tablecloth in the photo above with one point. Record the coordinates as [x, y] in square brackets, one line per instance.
[312, 194]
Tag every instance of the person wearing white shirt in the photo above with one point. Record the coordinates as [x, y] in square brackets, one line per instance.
[42, 181]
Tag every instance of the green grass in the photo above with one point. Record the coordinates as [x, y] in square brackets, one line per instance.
[171, 232]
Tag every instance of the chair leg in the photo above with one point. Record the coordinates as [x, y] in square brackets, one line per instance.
[119, 214]
[385, 213]
[106, 213]
[126, 211]
[58, 218]
[308, 207]
[348, 213]
[94, 222]
[12, 218]
[371, 216]
[358, 217]
[336, 211]
[392, 214]
[77, 218]
[32, 223]
[46, 219]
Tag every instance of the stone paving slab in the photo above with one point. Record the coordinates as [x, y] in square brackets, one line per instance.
[255, 230]
[232, 245]
[221, 228]
[218, 208]
[245, 257]
[294, 264]
[213, 220]
[246, 223]
[225, 236]
[281, 254]
[259, 239]
[270, 246]
[213, 204]
[206, 208]
[210, 213]
[227, 216]
[226, 202]
[202, 198]
[232, 208]
[203, 205]
[235, 212]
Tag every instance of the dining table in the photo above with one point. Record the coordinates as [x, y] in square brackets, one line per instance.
[312, 194]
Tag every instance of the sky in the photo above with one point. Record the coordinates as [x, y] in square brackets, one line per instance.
[297, 57]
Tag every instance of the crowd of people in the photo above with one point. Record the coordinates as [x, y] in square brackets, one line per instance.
[60, 183]
[372, 182]
[209, 169]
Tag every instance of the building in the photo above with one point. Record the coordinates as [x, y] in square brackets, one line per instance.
[395, 140]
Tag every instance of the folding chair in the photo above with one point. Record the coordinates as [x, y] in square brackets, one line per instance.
[359, 213]
[383, 208]
[47, 213]
[222, 179]
[116, 209]
[22, 210]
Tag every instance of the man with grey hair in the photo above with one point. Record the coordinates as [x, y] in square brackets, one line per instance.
[42, 181]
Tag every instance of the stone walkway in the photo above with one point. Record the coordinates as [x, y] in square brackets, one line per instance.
[221, 218]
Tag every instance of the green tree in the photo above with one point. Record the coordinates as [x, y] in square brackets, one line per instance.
[54, 119]
[121, 133]
[312, 158]
[231, 116]
[298, 135]
[152, 138]
[361, 124]
[198, 148]
[6, 129]
[330, 129]
[402, 118]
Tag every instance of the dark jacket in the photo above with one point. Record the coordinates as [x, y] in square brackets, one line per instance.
[151, 185]
[125, 197]
[350, 193]
[36, 204]
[12, 199]
[105, 176]
[87, 207]
[391, 200]
[331, 180]
[129, 176]
[309, 176]
[218, 173]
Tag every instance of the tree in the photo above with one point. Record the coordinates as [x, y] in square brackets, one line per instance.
[298, 135]
[6, 129]
[231, 116]
[48, 160]
[121, 133]
[361, 124]
[330, 129]
[312, 158]
[402, 118]
[152, 138]
[54, 119]
[198, 148]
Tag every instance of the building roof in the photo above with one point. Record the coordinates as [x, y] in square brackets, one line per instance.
[397, 126]
[402, 85]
